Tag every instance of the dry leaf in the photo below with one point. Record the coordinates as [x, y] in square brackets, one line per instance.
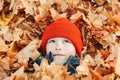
[46, 78]
[54, 13]
[100, 2]
[96, 75]
[4, 63]
[96, 19]
[110, 77]
[116, 18]
[19, 74]
[8, 37]
[29, 51]
[2, 73]
[4, 20]
[76, 16]
[29, 7]
[117, 68]
[41, 14]
[36, 66]
[64, 6]
[98, 59]
[3, 30]
[45, 4]
[1, 3]
[91, 61]
[3, 45]
[17, 34]
[83, 71]
[22, 21]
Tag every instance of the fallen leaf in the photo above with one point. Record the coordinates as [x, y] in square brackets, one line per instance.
[3, 45]
[2, 73]
[29, 51]
[1, 3]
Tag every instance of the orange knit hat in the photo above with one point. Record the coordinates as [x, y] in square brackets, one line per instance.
[62, 27]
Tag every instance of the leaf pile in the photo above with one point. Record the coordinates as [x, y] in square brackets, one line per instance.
[22, 23]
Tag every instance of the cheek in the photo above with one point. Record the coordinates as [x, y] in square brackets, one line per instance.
[70, 50]
[50, 47]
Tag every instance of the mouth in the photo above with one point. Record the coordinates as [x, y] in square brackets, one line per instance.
[58, 55]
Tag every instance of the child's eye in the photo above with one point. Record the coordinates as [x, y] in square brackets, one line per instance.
[51, 41]
[67, 41]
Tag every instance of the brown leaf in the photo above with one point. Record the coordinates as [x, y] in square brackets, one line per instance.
[2, 73]
[3, 45]
[4, 63]
[1, 3]
[116, 18]
[96, 75]
[117, 68]
[29, 51]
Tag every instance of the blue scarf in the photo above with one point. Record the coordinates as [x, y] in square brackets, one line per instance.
[72, 62]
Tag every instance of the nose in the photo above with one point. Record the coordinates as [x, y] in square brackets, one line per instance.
[58, 46]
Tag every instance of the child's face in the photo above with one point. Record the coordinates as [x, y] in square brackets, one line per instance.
[61, 49]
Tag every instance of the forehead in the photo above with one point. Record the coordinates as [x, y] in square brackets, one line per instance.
[58, 38]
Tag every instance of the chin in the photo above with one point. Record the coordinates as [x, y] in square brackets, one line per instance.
[59, 60]
[59, 63]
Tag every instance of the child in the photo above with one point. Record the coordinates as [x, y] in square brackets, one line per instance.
[62, 42]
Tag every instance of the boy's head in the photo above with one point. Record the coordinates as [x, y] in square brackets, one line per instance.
[63, 28]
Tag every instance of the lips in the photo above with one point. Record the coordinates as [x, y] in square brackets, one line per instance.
[58, 55]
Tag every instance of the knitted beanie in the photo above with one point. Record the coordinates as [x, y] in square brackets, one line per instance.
[62, 27]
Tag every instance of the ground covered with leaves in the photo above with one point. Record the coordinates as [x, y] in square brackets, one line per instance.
[22, 23]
